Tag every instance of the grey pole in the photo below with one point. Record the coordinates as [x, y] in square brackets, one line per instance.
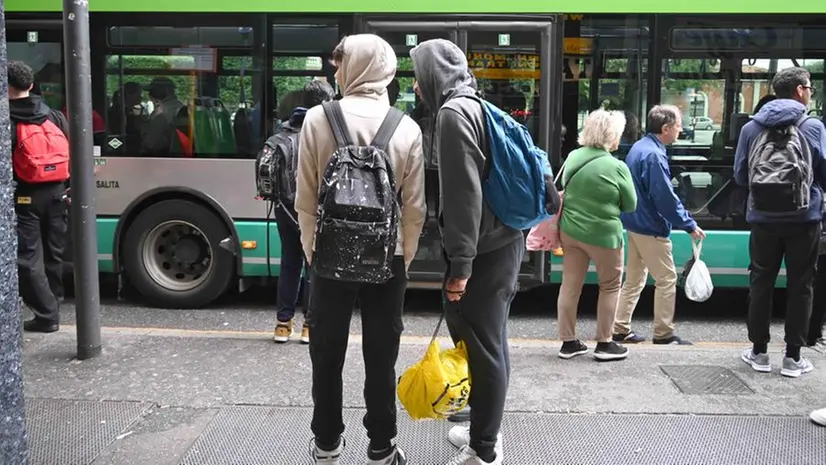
[13, 441]
[84, 227]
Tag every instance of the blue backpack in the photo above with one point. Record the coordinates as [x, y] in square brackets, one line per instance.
[519, 187]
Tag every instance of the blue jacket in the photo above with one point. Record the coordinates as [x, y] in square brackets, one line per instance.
[782, 112]
[659, 210]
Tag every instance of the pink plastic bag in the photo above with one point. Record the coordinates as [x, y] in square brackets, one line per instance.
[545, 235]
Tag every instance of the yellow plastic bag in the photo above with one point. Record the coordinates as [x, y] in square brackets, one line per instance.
[438, 385]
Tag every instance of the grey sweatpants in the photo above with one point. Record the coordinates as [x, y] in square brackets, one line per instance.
[480, 320]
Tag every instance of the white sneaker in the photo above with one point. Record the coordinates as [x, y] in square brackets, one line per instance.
[459, 436]
[819, 417]
[396, 458]
[325, 457]
[467, 456]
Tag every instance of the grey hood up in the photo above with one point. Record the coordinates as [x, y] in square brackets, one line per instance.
[468, 225]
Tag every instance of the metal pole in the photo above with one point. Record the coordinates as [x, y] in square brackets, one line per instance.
[84, 227]
[13, 440]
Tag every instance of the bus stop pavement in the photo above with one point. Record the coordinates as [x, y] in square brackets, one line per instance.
[171, 396]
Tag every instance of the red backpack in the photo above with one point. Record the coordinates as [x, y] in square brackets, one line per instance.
[41, 154]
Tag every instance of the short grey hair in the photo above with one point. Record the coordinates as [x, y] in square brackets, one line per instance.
[661, 116]
[602, 129]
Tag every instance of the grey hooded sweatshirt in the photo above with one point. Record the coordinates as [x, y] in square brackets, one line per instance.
[468, 225]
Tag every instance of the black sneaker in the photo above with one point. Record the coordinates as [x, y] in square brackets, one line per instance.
[38, 326]
[610, 351]
[395, 456]
[571, 349]
[672, 340]
[630, 338]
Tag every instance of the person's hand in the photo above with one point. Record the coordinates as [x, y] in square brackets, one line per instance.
[455, 288]
[698, 234]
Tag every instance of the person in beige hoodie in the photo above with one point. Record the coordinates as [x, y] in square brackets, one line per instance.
[365, 66]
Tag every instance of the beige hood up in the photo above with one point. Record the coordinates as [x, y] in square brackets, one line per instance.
[368, 66]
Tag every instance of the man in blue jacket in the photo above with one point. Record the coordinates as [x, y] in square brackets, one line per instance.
[659, 210]
[794, 236]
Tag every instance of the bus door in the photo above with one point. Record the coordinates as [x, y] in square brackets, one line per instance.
[512, 63]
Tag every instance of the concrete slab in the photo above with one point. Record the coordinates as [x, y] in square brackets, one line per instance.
[162, 437]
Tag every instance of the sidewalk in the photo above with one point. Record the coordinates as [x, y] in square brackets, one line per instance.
[174, 396]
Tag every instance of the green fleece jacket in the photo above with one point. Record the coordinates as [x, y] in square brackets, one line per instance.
[597, 187]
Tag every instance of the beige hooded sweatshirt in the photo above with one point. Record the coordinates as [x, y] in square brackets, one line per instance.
[368, 66]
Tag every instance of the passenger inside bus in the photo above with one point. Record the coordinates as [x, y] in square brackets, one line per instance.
[127, 117]
[161, 137]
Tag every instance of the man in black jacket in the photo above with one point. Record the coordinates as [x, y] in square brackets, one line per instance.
[41, 213]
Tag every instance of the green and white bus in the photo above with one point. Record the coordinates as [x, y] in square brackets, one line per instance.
[161, 219]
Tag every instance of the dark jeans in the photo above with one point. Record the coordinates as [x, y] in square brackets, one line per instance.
[41, 240]
[381, 320]
[292, 263]
[769, 244]
[818, 318]
[480, 320]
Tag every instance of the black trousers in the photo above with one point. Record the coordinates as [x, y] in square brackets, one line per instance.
[292, 263]
[769, 244]
[818, 318]
[331, 307]
[480, 320]
[41, 240]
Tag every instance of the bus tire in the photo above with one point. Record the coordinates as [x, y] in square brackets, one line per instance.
[172, 257]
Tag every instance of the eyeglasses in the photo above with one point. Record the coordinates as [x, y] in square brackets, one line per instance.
[811, 89]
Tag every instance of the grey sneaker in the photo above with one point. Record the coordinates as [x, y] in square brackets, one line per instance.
[794, 369]
[819, 346]
[758, 362]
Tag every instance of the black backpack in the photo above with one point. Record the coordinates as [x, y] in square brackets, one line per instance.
[276, 166]
[358, 205]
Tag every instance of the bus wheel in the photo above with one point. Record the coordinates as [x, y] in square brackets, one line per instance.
[172, 257]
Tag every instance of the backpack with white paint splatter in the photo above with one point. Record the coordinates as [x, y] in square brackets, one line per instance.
[358, 205]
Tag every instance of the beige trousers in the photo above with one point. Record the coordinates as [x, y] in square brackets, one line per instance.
[577, 256]
[649, 253]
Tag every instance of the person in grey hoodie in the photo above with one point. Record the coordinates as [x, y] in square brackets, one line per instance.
[483, 255]
[794, 237]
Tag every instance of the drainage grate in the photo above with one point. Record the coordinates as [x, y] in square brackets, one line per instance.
[705, 379]
[71, 432]
[281, 436]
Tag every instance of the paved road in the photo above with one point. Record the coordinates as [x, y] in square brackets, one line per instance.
[209, 387]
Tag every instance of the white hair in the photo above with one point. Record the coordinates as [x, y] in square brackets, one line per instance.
[602, 129]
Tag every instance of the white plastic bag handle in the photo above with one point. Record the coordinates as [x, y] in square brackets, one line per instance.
[697, 247]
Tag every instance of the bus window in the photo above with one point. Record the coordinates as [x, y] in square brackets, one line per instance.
[302, 54]
[697, 87]
[192, 83]
[757, 75]
[610, 63]
[46, 60]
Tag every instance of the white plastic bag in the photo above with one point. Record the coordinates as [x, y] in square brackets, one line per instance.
[698, 286]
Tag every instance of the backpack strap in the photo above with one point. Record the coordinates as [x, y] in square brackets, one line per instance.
[387, 128]
[803, 118]
[337, 122]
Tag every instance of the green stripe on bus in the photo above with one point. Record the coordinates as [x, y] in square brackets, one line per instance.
[106, 244]
[254, 261]
[428, 6]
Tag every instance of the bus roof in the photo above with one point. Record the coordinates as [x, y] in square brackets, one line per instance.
[428, 6]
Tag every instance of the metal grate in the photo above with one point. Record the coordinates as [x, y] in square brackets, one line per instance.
[705, 379]
[72, 432]
[281, 436]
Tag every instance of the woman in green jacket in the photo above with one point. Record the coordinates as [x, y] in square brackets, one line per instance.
[598, 187]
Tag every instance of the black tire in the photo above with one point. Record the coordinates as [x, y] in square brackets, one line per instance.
[212, 283]
[709, 127]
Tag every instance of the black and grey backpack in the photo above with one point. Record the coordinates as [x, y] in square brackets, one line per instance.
[276, 166]
[358, 205]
